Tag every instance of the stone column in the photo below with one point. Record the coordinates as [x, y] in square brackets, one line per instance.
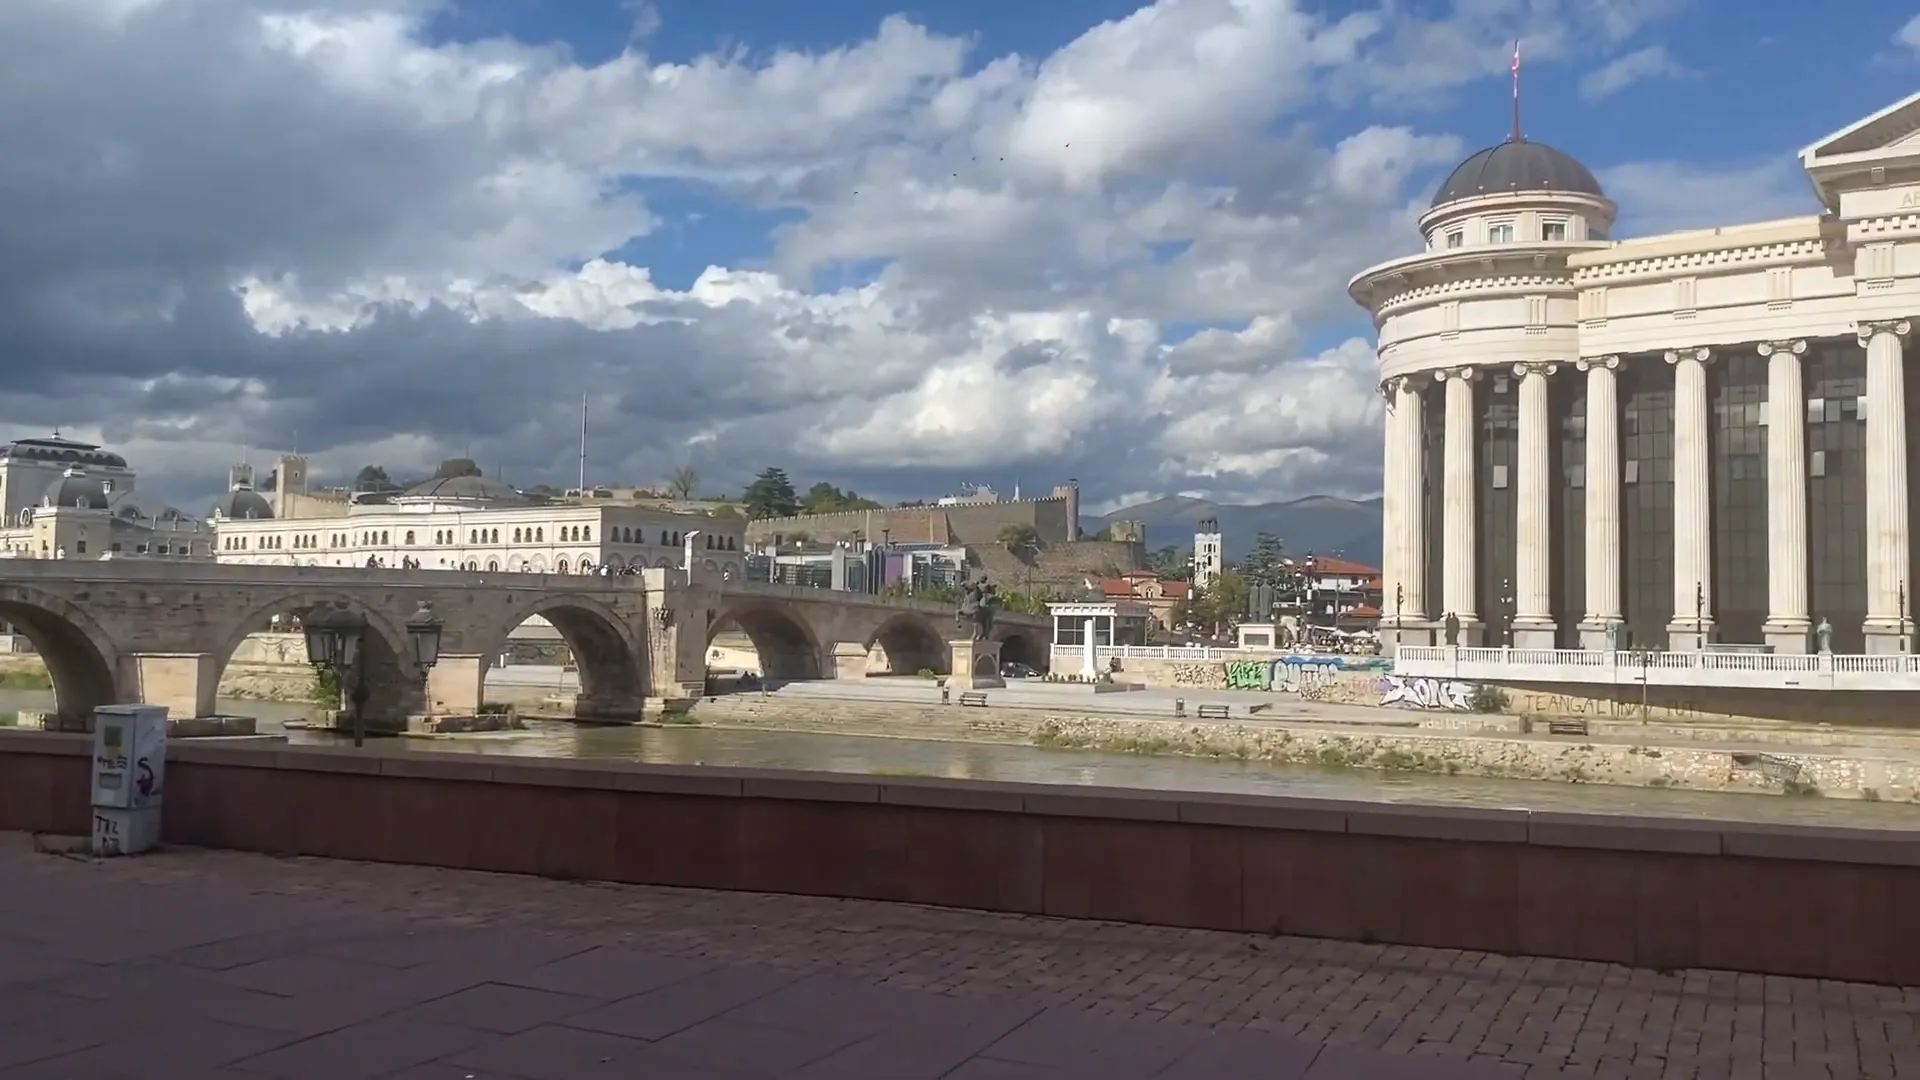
[1533, 625]
[456, 684]
[1887, 626]
[1458, 548]
[184, 683]
[1692, 622]
[1392, 516]
[1603, 501]
[1405, 599]
[1787, 622]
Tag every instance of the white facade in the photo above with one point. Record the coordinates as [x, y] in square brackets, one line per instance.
[72, 500]
[458, 535]
[1723, 413]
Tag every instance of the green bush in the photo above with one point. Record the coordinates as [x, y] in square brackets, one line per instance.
[324, 690]
[1488, 698]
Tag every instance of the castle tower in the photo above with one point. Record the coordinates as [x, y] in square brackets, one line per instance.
[1208, 557]
[289, 481]
[1070, 492]
[240, 476]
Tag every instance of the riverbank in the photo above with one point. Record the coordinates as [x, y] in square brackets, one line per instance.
[1869, 773]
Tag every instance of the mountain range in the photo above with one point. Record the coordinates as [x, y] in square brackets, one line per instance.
[1317, 524]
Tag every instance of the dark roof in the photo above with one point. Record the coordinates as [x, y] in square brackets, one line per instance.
[75, 490]
[58, 449]
[1517, 165]
[465, 489]
[243, 504]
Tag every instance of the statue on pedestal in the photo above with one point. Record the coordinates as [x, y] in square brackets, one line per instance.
[978, 601]
[1824, 635]
[1453, 628]
[1613, 635]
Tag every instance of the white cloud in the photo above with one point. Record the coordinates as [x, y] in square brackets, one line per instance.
[1665, 196]
[1908, 36]
[1652, 62]
[223, 222]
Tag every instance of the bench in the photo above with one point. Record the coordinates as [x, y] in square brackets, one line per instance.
[1215, 712]
[974, 698]
[1566, 727]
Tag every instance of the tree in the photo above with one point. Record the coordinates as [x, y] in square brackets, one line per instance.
[1171, 563]
[770, 495]
[372, 478]
[725, 512]
[824, 498]
[1021, 539]
[454, 467]
[684, 483]
[1214, 609]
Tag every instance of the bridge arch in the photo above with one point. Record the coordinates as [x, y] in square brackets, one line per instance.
[906, 644]
[396, 687]
[609, 660]
[1021, 646]
[787, 646]
[81, 659]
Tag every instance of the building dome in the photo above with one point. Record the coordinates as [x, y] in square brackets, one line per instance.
[59, 449]
[73, 490]
[465, 489]
[244, 504]
[1514, 166]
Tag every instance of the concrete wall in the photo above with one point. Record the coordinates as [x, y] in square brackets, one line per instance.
[1815, 902]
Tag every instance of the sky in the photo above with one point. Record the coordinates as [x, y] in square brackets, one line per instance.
[898, 248]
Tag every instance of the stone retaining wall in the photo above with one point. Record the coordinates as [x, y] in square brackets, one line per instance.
[1671, 763]
[1822, 903]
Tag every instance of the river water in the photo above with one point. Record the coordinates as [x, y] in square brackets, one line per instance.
[872, 756]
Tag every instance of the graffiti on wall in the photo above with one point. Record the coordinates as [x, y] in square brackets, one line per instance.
[1310, 676]
[1199, 676]
[1420, 692]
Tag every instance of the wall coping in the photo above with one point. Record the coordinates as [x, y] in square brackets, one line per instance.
[1609, 832]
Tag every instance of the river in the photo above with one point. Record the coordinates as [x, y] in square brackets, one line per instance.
[872, 756]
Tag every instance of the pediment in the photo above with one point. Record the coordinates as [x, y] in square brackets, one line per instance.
[1893, 128]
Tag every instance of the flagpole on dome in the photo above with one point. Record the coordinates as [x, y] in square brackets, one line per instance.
[1516, 90]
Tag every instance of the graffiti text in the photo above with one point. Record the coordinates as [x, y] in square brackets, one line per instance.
[1418, 692]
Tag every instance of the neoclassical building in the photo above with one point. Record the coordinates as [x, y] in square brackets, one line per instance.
[1691, 439]
[472, 523]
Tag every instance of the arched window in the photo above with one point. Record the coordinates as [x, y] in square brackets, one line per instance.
[492, 565]
[709, 541]
[560, 567]
[409, 537]
[663, 538]
[540, 535]
[586, 532]
[516, 536]
[493, 536]
[383, 536]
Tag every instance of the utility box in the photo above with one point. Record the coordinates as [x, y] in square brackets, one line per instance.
[129, 773]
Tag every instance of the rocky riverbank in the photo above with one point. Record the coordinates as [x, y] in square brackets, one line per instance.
[1838, 772]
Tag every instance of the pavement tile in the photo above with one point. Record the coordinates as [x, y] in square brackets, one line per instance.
[22, 1044]
[500, 1008]
[609, 973]
[1070, 1039]
[749, 1049]
[1229, 1055]
[182, 1049]
[660, 1013]
[550, 1052]
[292, 976]
[371, 1049]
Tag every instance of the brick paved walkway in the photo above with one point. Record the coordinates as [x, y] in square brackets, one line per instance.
[214, 964]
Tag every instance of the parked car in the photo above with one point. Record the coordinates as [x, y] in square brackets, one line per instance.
[1012, 670]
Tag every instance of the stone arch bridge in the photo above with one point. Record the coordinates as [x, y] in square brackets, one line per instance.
[146, 630]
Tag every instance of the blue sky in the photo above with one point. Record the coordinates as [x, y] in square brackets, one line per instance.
[889, 246]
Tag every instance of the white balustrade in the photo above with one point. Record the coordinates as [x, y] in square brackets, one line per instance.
[1726, 668]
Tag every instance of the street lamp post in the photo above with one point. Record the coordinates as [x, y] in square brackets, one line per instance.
[1506, 613]
[333, 644]
[1699, 617]
[424, 628]
[1905, 641]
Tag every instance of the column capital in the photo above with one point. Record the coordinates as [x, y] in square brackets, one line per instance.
[1796, 346]
[1460, 374]
[1700, 354]
[1588, 363]
[1534, 367]
[1866, 330]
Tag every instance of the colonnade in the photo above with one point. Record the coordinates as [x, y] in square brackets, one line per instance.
[1787, 627]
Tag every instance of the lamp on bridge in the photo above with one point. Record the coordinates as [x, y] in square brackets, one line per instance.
[424, 629]
[689, 555]
[333, 643]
